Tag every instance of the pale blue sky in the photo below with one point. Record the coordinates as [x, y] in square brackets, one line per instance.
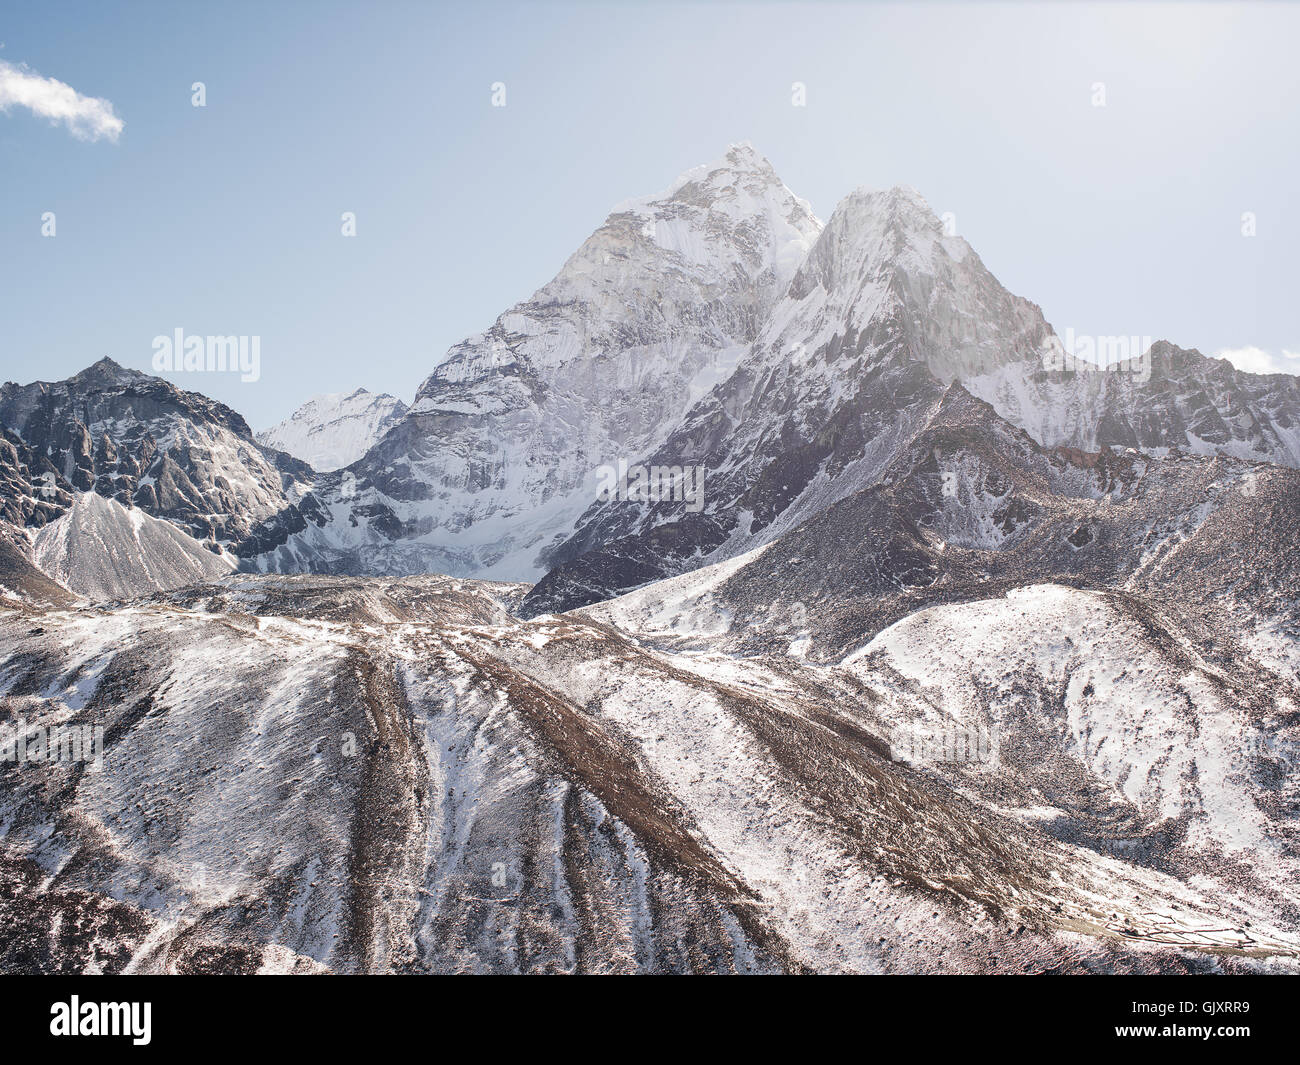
[225, 220]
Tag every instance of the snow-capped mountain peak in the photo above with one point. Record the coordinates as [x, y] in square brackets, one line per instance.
[335, 429]
[742, 187]
[884, 252]
[498, 455]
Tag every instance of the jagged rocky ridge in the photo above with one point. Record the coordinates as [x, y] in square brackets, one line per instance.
[141, 441]
[1175, 398]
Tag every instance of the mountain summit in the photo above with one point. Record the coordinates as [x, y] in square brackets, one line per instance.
[497, 457]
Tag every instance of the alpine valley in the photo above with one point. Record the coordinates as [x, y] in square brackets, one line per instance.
[967, 658]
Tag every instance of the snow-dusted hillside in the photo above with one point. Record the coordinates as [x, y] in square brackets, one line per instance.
[331, 431]
[1074, 675]
[103, 550]
[1007, 709]
[366, 775]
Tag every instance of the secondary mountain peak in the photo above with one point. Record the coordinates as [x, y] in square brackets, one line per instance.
[333, 430]
[140, 440]
[876, 232]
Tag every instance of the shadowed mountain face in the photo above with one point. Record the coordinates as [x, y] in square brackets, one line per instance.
[973, 506]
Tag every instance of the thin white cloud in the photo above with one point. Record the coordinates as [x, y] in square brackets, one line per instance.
[1257, 360]
[88, 118]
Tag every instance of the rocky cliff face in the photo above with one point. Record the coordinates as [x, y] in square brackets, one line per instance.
[1170, 398]
[145, 443]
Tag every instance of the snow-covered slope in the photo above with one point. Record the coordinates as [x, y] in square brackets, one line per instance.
[501, 450]
[103, 550]
[1122, 629]
[1005, 709]
[313, 772]
[21, 581]
[1055, 668]
[331, 431]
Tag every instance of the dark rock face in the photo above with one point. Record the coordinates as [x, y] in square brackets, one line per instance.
[1174, 398]
[32, 489]
[143, 442]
